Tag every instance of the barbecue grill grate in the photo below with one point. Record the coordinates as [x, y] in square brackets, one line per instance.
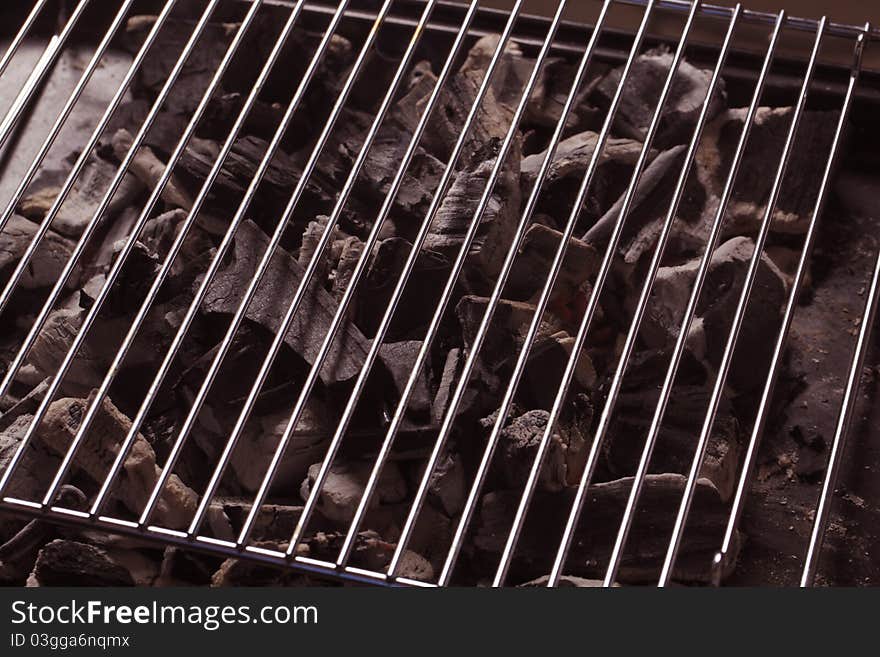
[423, 17]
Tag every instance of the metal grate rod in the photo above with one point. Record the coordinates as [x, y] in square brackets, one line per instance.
[50, 215]
[33, 83]
[182, 232]
[142, 219]
[356, 274]
[559, 400]
[684, 329]
[20, 35]
[415, 252]
[739, 315]
[255, 281]
[342, 425]
[721, 559]
[823, 510]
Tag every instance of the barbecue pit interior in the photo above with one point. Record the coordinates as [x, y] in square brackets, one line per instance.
[288, 300]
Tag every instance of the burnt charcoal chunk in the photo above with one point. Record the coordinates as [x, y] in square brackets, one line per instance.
[642, 90]
[48, 260]
[274, 295]
[567, 170]
[70, 563]
[498, 222]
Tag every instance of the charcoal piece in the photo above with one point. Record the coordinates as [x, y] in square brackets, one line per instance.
[199, 68]
[535, 259]
[456, 99]
[567, 171]
[162, 137]
[24, 406]
[518, 447]
[48, 260]
[420, 295]
[71, 563]
[448, 487]
[726, 275]
[642, 91]
[498, 222]
[654, 191]
[350, 251]
[185, 567]
[399, 358]
[383, 160]
[307, 445]
[547, 361]
[590, 549]
[451, 369]
[139, 472]
[273, 296]
[34, 472]
[223, 111]
[344, 487]
[238, 170]
[82, 201]
[148, 168]
[507, 330]
[677, 438]
[52, 344]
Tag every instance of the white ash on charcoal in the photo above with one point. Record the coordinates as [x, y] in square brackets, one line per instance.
[148, 169]
[724, 281]
[595, 535]
[139, 472]
[344, 487]
[82, 201]
[307, 444]
[642, 90]
[518, 446]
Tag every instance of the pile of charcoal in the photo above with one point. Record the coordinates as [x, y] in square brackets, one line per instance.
[42, 554]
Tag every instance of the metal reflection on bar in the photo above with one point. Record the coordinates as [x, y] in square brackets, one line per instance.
[21, 34]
